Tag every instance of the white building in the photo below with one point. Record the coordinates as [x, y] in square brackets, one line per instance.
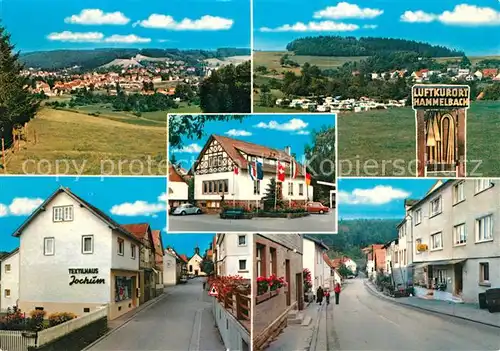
[9, 280]
[221, 158]
[456, 237]
[313, 252]
[75, 258]
[178, 189]
[194, 264]
[234, 253]
[170, 271]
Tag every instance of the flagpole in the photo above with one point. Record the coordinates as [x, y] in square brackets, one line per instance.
[234, 181]
[276, 187]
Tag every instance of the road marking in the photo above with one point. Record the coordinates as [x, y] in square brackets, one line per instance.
[194, 345]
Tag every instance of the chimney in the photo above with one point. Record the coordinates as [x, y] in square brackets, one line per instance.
[288, 150]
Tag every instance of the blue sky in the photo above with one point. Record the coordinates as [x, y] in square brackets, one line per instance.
[125, 199]
[461, 24]
[85, 24]
[275, 131]
[185, 243]
[378, 197]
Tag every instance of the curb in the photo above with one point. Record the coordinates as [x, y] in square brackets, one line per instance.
[427, 309]
[109, 333]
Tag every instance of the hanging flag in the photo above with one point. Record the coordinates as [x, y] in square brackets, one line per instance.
[252, 171]
[294, 170]
[280, 172]
[236, 170]
[308, 179]
[259, 169]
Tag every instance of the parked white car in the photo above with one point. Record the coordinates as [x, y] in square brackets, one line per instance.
[186, 209]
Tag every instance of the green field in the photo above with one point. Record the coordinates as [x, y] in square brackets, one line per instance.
[90, 145]
[370, 138]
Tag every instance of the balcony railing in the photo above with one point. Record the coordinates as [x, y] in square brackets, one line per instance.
[238, 304]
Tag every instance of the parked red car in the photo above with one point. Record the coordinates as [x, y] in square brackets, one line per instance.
[317, 207]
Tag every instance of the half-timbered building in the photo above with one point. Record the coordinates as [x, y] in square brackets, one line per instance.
[221, 173]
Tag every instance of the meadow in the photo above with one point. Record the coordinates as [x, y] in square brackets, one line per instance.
[370, 138]
[92, 145]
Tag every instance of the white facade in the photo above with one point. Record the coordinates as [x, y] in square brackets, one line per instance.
[349, 263]
[194, 267]
[313, 260]
[241, 187]
[177, 191]
[234, 253]
[169, 269]
[50, 250]
[9, 283]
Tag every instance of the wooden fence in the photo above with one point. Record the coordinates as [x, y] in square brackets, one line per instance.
[21, 340]
[238, 304]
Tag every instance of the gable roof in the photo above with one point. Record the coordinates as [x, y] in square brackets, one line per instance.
[316, 241]
[184, 258]
[6, 255]
[233, 147]
[94, 210]
[174, 175]
[157, 241]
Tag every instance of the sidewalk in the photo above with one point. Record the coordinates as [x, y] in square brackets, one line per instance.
[470, 312]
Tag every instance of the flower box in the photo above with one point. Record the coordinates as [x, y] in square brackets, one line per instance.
[263, 297]
[274, 292]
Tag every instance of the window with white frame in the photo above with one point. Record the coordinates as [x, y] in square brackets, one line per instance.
[484, 228]
[48, 246]
[88, 244]
[484, 272]
[440, 276]
[301, 189]
[132, 251]
[7, 268]
[437, 241]
[121, 247]
[436, 206]
[7, 293]
[418, 216]
[458, 193]
[242, 240]
[259, 260]
[243, 265]
[63, 213]
[482, 184]
[290, 188]
[459, 234]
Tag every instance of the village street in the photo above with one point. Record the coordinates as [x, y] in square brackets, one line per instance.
[213, 223]
[180, 321]
[363, 321]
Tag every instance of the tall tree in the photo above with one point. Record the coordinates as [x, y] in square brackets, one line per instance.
[17, 104]
[227, 90]
[272, 196]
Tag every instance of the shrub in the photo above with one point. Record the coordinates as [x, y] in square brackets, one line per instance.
[60, 317]
[36, 320]
[14, 320]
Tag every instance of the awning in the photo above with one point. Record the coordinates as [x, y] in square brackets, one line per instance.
[439, 263]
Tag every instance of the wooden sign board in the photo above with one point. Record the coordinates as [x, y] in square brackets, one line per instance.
[440, 112]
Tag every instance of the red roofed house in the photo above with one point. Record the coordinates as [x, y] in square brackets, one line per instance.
[178, 189]
[490, 72]
[148, 273]
[158, 245]
[222, 168]
[335, 277]
[375, 259]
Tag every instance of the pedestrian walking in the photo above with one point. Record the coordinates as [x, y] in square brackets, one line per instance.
[337, 293]
[327, 296]
[319, 295]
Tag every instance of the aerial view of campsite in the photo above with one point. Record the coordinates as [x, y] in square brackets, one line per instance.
[89, 90]
[361, 60]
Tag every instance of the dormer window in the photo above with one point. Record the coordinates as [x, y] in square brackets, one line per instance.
[63, 213]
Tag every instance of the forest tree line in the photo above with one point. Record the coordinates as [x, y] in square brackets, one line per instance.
[365, 46]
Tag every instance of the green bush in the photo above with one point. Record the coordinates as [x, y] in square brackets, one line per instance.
[60, 317]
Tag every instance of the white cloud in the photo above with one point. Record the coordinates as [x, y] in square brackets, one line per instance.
[463, 14]
[4, 211]
[22, 206]
[417, 17]
[162, 197]
[76, 37]
[292, 125]
[379, 195]
[203, 23]
[131, 38]
[138, 208]
[191, 149]
[347, 10]
[97, 16]
[237, 132]
[303, 132]
[323, 26]
[370, 26]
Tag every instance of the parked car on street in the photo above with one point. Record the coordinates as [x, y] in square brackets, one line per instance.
[186, 209]
[183, 279]
[317, 207]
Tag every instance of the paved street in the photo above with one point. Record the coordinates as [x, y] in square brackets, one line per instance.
[181, 321]
[366, 322]
[212, 223]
